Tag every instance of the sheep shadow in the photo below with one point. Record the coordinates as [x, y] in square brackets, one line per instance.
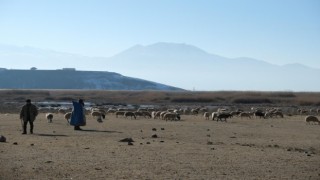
[52, 135]
[93, 130]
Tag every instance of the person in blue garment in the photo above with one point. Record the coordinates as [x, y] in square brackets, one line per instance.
[78, 116]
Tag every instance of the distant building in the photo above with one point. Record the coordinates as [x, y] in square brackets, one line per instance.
[33, 68]
[69, 69]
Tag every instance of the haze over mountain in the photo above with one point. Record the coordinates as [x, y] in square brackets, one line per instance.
[178, 65]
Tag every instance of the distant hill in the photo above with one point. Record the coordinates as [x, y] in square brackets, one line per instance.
[190, 67]
[72, 79]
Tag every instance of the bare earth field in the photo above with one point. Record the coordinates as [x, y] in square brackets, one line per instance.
[193, 148]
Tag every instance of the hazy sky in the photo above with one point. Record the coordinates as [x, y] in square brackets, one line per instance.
[277, 31]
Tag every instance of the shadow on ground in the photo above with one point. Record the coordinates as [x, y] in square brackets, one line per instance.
[93, 130]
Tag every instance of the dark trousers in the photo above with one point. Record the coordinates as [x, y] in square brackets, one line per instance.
[25, 126]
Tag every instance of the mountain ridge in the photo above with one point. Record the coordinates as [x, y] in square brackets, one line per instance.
[190, 67]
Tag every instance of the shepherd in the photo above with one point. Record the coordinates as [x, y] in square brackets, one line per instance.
[28, 113]
[78, 116]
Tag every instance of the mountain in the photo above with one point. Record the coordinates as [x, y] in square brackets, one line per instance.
[192, 68]
[72, 79]
[179, 65]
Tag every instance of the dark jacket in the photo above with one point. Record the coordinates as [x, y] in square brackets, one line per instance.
[33, 111]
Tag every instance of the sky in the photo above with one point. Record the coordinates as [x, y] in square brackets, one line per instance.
[276, 31]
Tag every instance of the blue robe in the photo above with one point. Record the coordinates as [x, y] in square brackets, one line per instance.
[78, 116]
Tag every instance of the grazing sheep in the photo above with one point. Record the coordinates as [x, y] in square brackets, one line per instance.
[224, 116]
[206, 115]
[312, 119]
[214, 115]
[273, 114]
[268, 114]
[302, 111]
[162, 114]
[221, 110]
[62, 111]
[235, 113]
[142, 109]
[111, 111]
[153, 114]
[145, 114]
[259, 114]
[120, 113]
[131, 114]
[49, 117]
[194, 111]
[67, 116]
[278, 113]
[170, 110]
[244, 114]
[98, 115]
[171, 116]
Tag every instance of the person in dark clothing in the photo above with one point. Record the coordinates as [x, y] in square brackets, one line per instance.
[78, 117]
[28, 113]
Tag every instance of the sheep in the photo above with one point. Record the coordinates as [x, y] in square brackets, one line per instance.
[171, 116]
[214, 115]
[131, 114]
[194, 111]
[203, 110]
[235, 113]
[244, 114]
[278, 113]
[67, 116]
[120, 113]
[302, 111]
[142, 109]
[145, 114]
[268, 114]
[221, 110]
[111, 111]
[206, 115]
[62, 111]
[273, 114]
[313, 119]
[259, 113]
[98, 115]
[224, 116]
[162, 114]
[49, 117]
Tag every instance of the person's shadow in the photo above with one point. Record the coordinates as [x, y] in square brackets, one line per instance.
[52, 135]
[93, 130]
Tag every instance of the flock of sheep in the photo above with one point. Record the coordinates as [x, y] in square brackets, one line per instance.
[221, 114]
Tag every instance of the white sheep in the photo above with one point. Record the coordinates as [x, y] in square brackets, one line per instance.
[206, 115]
[171, 116]
[99, 115]
[244, 114]
[49, 117]
[313, 119]
[214, 115]
[67, 116]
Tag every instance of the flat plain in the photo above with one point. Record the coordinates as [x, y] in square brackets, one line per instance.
[192, 148]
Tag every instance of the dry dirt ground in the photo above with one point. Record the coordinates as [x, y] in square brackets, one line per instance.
[193, 148]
